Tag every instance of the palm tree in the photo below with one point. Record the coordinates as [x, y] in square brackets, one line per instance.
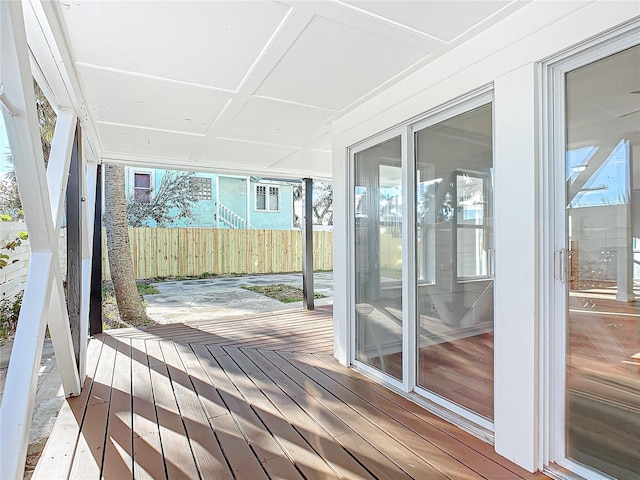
[129, 303]
[9, 196]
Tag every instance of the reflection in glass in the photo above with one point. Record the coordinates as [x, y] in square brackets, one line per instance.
[455, 290]
[603, 214]
[378, 257]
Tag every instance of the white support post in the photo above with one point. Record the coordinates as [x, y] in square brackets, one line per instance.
[249, 203]
[218, 201]
[88, 210]
[44, 297]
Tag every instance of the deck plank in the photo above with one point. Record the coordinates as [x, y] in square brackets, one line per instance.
[404, 459]
[316, 436]
[87, 460]
[259, 438]
[257, 397]
[209, 457]
[393, 420]
[439, 423]
[57, 455]
[228, 324]
[375, 462]
[307, 461]
[118, 453]
[148, 461]
[449, 445]
[278, 330]
[173, 437]
[235, 447]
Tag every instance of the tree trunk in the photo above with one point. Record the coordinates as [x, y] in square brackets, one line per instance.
[129, 302]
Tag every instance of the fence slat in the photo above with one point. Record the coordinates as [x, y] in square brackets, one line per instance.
[14, 276]
[182, 252]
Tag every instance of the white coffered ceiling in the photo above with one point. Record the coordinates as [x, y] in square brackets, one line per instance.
[248, 86]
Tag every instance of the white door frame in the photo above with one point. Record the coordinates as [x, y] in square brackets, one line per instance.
[353, 151]
[462, 416]
[456, 414]
[553, 241]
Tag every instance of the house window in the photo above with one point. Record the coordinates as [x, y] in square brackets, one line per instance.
[267, 198]
[142, 187]
[199, 188]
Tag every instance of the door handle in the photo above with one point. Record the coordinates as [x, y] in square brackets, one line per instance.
[561, 265]
[492, 262]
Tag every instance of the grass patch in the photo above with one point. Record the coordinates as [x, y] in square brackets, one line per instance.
[147, 289]
[280, 291]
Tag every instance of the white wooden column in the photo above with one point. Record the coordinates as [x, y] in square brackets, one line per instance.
[516, 310]
[41, 194]
[341, 258]
[88, 218]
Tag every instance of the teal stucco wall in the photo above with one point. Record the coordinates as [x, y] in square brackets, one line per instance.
[233, 195]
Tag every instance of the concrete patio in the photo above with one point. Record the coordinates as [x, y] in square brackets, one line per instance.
[224, 297]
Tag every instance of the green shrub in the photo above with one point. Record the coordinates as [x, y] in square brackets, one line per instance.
[9, 313]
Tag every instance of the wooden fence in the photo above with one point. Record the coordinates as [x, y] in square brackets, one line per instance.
[182, 252]
[14, 276]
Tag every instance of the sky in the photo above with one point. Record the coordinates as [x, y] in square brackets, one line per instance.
[609, 185]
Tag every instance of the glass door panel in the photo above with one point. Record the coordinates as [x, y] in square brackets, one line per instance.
[603, 225]
[378, 257]
[454, 161]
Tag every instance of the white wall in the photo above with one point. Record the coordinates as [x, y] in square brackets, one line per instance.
[515, 226]
[505, 56]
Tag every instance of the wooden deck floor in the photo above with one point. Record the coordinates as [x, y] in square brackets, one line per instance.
[247, 399]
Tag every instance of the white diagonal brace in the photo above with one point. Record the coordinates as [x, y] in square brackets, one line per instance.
[58, 321]
[58, 167]
[23, 131]
[44, 282]
[22, 376]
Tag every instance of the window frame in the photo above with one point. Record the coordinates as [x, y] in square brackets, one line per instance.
[484, 227]
[552, 302]
[132, 183]
[267, 194]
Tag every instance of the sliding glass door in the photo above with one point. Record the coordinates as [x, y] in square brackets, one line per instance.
[377, 198]
[602, 224]
[454, 172]
[422, 233]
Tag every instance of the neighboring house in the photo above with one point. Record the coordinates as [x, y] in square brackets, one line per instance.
[223, 201]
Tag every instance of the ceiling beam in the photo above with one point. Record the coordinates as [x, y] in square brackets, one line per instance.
[218, 167]
[289, 30]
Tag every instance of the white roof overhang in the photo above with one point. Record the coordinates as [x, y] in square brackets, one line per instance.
[235, 86]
